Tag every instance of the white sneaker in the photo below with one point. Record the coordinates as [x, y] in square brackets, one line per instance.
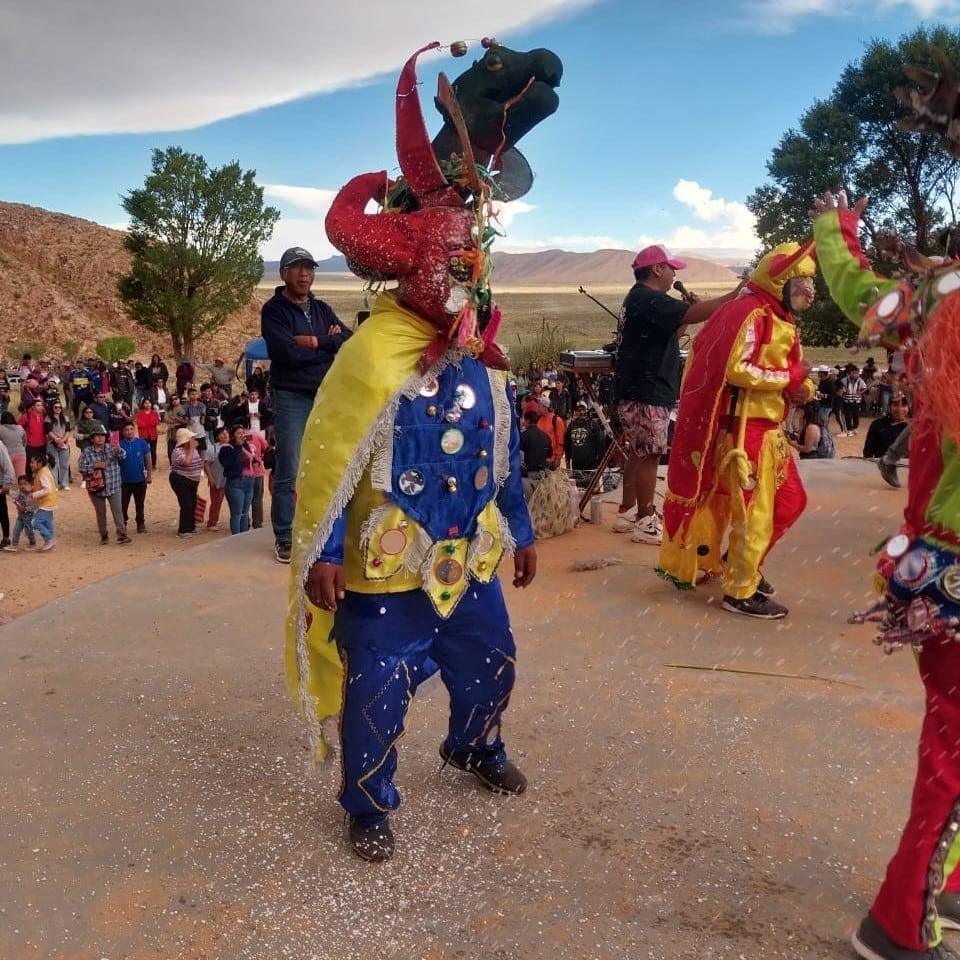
[648, 530]
[625, 520]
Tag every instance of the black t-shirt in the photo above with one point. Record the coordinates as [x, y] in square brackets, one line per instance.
[883, 431]
[584, 444]
[536, 448]
[647, 368]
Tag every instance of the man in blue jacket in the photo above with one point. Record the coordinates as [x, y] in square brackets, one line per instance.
[303, 335]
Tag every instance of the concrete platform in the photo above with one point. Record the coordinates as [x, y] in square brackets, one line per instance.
[702, 785]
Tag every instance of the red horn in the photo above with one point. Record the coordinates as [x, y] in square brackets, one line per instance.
[414, 149]
[377, 241]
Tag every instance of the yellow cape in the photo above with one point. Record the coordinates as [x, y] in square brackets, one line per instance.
[353, 415]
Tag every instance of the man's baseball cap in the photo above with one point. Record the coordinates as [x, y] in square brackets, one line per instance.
[295, 255]
[651, 256]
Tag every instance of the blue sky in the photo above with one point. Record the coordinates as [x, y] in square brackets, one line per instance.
[668, 112]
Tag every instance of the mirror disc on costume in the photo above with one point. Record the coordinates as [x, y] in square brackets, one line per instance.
[749, 484]
[451, 441]
[913, 566]
[393, 541]
[485, 541]
[453, 414]
[480, 478]
[449, 572]
[466, 395]
[412, 482]
[889, 304]
[897, 546]
[948, 283]
[951, 582]
[430, 389]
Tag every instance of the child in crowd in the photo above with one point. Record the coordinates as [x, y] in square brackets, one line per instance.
[44, 500]
[23, 499]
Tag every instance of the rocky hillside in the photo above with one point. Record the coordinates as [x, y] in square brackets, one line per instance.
[58, 279]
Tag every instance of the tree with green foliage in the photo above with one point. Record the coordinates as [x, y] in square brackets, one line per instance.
[195, 236]
[111, 349]
[36, 350]
[851, 140]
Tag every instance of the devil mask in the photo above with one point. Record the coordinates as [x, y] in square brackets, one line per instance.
[434, 229]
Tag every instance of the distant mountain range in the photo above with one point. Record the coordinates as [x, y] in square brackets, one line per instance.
[562, 268]
[58, 283]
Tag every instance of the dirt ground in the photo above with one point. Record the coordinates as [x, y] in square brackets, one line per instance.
[29, 580]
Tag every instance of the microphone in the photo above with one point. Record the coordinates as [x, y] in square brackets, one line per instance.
[684, 292]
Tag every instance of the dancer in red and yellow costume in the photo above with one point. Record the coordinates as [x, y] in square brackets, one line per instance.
[918, 576]
[730, 465]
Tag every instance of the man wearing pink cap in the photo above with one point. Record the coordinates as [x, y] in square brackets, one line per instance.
[647, 380]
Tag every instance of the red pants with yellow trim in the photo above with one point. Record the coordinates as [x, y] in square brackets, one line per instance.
[770, 508]
[926, 860]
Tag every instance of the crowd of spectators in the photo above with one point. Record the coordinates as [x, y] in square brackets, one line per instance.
[98, 426]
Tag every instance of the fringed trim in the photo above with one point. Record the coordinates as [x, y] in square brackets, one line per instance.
[506, 534]
[502, 424]
[381, 466]
[376, 517]
[936, 873]
[418, 553]
[308, 703]
[379, 438]
[430, 581]
[670, 578]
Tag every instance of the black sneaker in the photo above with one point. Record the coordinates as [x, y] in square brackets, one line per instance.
[123, 538]
[104, 539]
[889, 472]
[872, 943]
[495, 776]
[765, 588]
[141, 528]
[374, 844]
[758, 606]
[282, 551]
[948, 906]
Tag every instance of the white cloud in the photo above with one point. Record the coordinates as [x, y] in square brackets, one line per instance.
[783, 16]
[124, 66]
[731, 226]
[312, 199]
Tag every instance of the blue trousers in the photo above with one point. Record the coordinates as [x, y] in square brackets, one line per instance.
[290, 413]
[389, 644]
[239, 494]
[43, 524]
[23, 525]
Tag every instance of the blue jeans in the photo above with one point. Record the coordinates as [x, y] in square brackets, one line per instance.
[61, 464]
[43, 524]
[24, 524]
[290, 413]
[239, 494]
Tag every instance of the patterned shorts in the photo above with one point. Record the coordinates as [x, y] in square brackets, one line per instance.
[644, 427]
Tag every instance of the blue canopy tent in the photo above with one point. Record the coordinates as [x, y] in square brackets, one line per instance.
[254, 353]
